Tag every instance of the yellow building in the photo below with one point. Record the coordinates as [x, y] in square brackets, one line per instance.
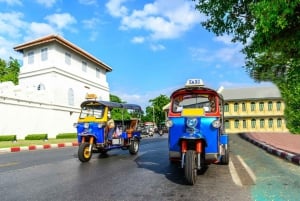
[254, 109]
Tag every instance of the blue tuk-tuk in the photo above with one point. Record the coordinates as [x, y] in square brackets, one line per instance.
[92, 128]
[196, 128]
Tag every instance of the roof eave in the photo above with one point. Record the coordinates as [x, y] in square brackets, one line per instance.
[60, 40]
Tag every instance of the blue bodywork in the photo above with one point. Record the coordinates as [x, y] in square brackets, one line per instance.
[204, 130]
[98, 133]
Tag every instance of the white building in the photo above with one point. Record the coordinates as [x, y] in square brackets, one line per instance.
[55, 77]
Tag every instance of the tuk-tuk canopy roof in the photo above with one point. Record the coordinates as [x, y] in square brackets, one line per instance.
[199, 90]
[112, 104]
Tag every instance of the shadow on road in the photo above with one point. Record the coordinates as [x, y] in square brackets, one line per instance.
[158, 162]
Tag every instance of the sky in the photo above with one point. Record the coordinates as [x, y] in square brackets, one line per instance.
[153, 46]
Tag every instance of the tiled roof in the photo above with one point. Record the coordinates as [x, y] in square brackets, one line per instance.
[249, 93]
[64, 42]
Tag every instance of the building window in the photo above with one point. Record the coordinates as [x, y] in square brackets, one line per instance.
[261, 106]
[84, 66]
[262, 123]
[270, 106]
[41, 87]
[30, 57]
[97, 72]
[279, 123]
[278, 106]
[270, 123]
[236, 107]
[252, 106]
[243, 107]
[226, 107]
[71, 96]
[44, 54]
[253, 123]
[244, 124]
[67, 58]
[236, 123]
[227, 125]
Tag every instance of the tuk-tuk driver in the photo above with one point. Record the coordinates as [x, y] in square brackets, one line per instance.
[212, 101]
[111, 127]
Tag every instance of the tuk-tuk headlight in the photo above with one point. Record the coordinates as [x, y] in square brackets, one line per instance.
[169, 123]
[100, 125]
[191, 122]
[216, 124]
[86, 125]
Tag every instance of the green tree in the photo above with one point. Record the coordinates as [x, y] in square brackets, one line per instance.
[269, 31]
[9, 71]
[155, 111]
[119, 113]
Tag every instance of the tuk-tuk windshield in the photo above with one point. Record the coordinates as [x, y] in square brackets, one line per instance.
[92, 111]
[205, 101]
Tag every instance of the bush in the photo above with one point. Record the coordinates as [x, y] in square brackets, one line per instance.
[66, 135]
[37, 137]
[8, 137]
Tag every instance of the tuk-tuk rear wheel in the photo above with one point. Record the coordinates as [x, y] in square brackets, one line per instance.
[84, 155]
[190, 168]
[134, 147]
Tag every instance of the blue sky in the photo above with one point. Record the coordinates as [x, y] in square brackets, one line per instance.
[153, 46]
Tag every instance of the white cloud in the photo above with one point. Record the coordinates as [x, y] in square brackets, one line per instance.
[116, 9]
[91, 23]
[224, 39]
[201, 54]
[143, 99]
[46, 3]
[6, 49]
[230, 55]
[61, 20]
[138, 39]
[161, 19]
[36, 30]
[12, 2]
[157, 47]
[88, 2]
[11, 23]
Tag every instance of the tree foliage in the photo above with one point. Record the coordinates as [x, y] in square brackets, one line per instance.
[118, 113]
[9, 71]
[270, 33]
[155, 111]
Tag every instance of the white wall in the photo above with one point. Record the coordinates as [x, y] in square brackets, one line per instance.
[24, 113]
[27, 110]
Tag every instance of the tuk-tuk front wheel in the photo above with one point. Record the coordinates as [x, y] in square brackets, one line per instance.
[190, 168]
[134, 147]
[225, 157]
[84, 154]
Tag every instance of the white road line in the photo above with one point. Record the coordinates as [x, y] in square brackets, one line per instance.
[248, 169]
[236, 179]
[8, 164]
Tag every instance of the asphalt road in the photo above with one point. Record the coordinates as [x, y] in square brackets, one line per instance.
[57, 174]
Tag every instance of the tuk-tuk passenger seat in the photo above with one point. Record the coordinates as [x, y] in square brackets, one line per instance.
[133, 125]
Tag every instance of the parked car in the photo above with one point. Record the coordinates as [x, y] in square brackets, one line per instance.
[148, 129]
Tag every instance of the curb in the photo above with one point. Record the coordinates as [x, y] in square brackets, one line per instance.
[38, 147]
[291, 157]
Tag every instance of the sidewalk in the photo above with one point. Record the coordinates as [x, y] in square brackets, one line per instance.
[284, 145]
[38, 147]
